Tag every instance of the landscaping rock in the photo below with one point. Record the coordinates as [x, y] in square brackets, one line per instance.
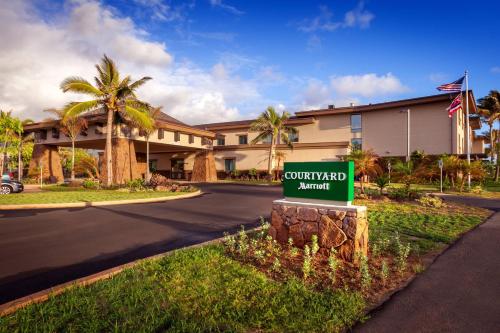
[295, 232]
[349, 226]
[276, 220]
[309, 229]
[272, 232]
[330, 235]
[290, 211]
[346, 250]
[308, 214]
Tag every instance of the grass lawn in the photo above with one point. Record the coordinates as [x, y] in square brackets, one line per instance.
[62, 194]
[208, 289]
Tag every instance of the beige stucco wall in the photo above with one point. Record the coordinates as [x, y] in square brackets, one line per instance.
[164, 164]
[258, 158]
[385, 131]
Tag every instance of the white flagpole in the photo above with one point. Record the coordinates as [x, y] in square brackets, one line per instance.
[467, 131]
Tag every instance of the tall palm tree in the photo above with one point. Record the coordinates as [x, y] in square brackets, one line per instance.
[70, 126]
[489, 111]
[271, 127]
[154, 113]
[114, 95]
[23, 139]
[365, 164]
[10, 130]
[280, 156]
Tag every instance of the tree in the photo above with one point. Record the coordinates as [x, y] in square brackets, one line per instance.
[22, 141]
[489, 111]
[271, 127]
[71, 126]
[280, 157]
[382, 181]
[365, 164]
[451, 167]
[10, 131]
[112, 94]
[406, 172]
[154, 113]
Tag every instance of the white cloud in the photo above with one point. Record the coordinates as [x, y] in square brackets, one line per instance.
[495, 70]
[226, 7]
[160, 10]
[438, 78]
[357, 17]
[367, 85]
[38, 54]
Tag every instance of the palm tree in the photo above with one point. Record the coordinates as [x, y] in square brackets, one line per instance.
[23, 139]
[154, 113]
[114, 95]
[271, 127]
[489, 111]
[280, 157]
[365, 164]
[10, 130]
[71, 126]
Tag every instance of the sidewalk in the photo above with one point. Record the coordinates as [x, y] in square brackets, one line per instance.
[460, 292]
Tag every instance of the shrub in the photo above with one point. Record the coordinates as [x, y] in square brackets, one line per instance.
[276, 267]
[252, 173]
[307, 264]
[429, 201]
[382, 182]
[136, 185]
[333, 264]
[364, 271]
[314, 245]
[398, 194]
[90, 184]
[159, 180]
[477, 189]
[402, 253]
[384, 271]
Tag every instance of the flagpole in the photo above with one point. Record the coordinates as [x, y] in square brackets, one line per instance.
[467, 123]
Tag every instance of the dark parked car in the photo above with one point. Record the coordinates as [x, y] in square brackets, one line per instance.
[10, 186]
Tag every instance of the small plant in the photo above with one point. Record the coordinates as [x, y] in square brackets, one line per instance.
[381, 246]
[333, 264]
[294, 251]
[90, 184]
[264, 228]
[276, 267]
[242, 242]
[314, 245]
[229, 242]
[307, 265]
[260, 256]
[402, 253]
[252, 173]
[384, 271]
[136, 185]
[366, 278]
[429, 201]
[418, 268]
[382, 182]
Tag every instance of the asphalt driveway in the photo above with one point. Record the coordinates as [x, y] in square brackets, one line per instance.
[43, 248]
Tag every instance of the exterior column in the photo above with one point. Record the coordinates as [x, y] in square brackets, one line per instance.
[47, 157]
[204, 167]
[124, 161]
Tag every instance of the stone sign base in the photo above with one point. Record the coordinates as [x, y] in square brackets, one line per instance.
[344, 228]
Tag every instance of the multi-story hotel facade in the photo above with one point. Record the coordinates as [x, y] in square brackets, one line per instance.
[390, 129]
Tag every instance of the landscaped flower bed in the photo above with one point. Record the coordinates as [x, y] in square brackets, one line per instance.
[250, 283]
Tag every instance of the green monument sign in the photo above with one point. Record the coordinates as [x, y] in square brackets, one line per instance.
[330, 181]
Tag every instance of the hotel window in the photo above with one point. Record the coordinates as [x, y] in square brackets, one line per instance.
[356, 144]
[55, 133]
[267, 139]
[293, 137]
[177, 136]
[191, 138]
[229, 164]
[243, 139]
[355, 122]
[221, 141]
[161, 135]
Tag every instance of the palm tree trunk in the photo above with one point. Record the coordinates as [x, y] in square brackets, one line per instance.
[147, 159]
[270, 162]
[72, 159]
[3, 158]
[497, 171]
[19, 162]
[361, 183]
[109, 162]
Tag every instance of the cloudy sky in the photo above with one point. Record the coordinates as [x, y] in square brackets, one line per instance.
[221, 60]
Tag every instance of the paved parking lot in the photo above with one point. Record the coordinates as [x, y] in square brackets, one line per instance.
[43, 248]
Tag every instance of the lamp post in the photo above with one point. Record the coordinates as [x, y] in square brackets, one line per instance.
[389, 169]
[440, 163]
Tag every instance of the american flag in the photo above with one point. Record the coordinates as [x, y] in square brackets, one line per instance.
[455, 105]
[455, 86]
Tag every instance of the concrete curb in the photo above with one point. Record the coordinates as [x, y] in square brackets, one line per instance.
[98, 203]
[44, 295]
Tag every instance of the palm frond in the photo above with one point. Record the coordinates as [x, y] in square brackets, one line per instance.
[79, 85]
[139, 82]
[261, 137]
[74, 109]
[138, 118]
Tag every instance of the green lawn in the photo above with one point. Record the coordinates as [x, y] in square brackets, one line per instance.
[198, 290]
[204, 289]
[60, 194]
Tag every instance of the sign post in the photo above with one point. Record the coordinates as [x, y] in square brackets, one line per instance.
[440, 163]
[319, 182]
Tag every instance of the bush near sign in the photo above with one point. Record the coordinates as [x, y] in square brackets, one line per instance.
[331, 181]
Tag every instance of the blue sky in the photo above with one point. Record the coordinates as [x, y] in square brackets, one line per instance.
[223, 59]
